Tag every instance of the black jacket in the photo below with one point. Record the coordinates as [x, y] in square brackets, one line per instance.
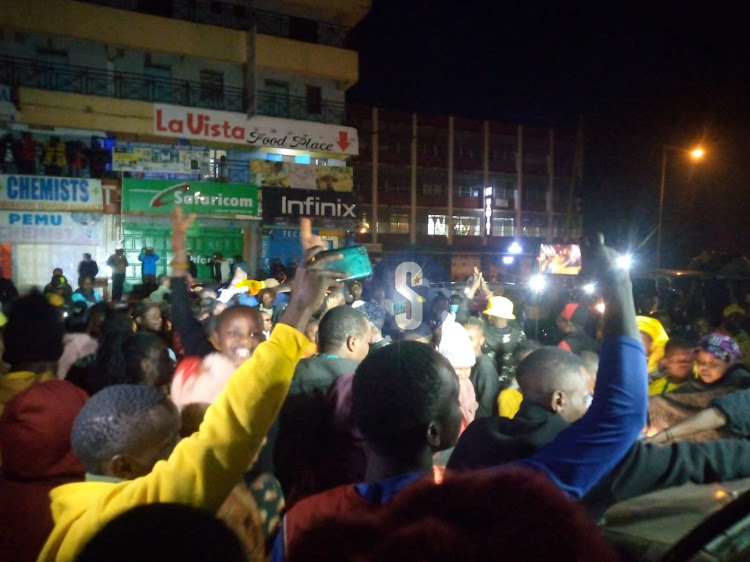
[645, 468]
[486, 386]
[502, 342]
[304, 424]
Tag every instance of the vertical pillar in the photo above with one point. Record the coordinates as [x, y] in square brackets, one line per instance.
[551, 186]
[519, 183]
[374, 189]
[486, 179]
[451, 141]
[413, 216]
[250, 243]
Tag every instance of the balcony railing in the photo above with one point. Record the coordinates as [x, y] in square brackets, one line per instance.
[236, 16]
[299, 107]
[15, 71]
[114, 84]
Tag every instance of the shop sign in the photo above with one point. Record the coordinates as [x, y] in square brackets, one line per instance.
[266, 173]
[34, 227]
[203, 198]
[178, 159]
[40, 193]
[293, 203]
[257, 131]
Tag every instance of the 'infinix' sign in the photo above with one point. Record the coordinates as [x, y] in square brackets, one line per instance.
[292, 203]
[314, 206]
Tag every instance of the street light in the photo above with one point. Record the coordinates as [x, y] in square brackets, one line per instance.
[696, 154]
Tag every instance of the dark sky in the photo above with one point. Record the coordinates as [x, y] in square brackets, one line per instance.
[639, 74]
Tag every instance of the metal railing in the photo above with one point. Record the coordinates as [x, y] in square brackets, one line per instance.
[298, 107]
[32, 73]
[237, 16]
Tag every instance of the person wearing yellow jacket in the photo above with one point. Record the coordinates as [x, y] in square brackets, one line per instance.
[654, 337]
[202, 469]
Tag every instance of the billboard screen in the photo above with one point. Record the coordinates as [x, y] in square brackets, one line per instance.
[564, 259]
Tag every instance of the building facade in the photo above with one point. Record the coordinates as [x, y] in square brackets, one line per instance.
[127, 94]
[471, 193]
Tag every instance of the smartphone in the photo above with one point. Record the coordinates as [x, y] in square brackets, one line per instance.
[355, 262]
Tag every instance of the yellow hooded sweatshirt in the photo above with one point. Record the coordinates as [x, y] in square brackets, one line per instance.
[203, 469]
[659, 338]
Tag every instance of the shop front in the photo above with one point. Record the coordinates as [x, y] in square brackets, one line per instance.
[49, 222]
[227, 222]
[333, 214]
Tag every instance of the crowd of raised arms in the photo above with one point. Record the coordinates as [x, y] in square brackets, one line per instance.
[303, 423]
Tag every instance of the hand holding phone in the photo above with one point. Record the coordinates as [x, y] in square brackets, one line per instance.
[355, 262]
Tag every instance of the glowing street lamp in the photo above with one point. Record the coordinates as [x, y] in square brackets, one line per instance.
[696, 154]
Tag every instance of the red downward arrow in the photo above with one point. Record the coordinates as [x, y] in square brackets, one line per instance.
[343, 140]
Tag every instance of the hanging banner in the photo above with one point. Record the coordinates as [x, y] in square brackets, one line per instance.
[39, 193]
[337, 178]
[267, 173]
[177, 159]
[67, 229]
[203, 198]
[258, 131]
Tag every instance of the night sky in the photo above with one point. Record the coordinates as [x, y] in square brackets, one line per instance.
[638, 74]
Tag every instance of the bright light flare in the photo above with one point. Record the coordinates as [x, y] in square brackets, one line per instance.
[515, 248]
[589, 288]
[537, 283]
[697, 153]
[507, 260]
[600, 307]
[625, 261]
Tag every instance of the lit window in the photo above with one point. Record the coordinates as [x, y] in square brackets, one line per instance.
[436, 225]
[399, 223]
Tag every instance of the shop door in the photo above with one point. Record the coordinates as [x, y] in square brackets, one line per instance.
[202, 241]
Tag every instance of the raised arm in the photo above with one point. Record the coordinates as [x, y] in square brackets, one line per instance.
[586, 451]
[203, 468]
[193, 337]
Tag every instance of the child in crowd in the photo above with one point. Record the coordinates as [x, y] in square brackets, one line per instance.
[127, 434]
[678, 367]
[85, 292]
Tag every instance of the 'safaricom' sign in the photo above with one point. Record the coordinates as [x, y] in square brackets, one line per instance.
[160, 196]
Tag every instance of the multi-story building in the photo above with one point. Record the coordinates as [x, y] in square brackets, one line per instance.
[469, 193]
[154, 103]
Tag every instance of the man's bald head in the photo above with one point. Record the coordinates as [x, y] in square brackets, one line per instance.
[555, 379]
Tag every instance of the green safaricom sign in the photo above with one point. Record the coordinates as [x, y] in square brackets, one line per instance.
[202, 198]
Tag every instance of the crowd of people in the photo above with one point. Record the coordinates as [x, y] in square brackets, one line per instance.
[304, 422]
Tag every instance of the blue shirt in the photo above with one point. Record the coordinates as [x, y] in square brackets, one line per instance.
[590, 448]
[149, 263]
[585, 452]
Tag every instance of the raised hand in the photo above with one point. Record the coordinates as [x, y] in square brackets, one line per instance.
[180, 225]
[311, 283]
[603, 266]
[308, 239]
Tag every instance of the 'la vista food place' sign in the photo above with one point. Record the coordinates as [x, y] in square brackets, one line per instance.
[258, 131]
